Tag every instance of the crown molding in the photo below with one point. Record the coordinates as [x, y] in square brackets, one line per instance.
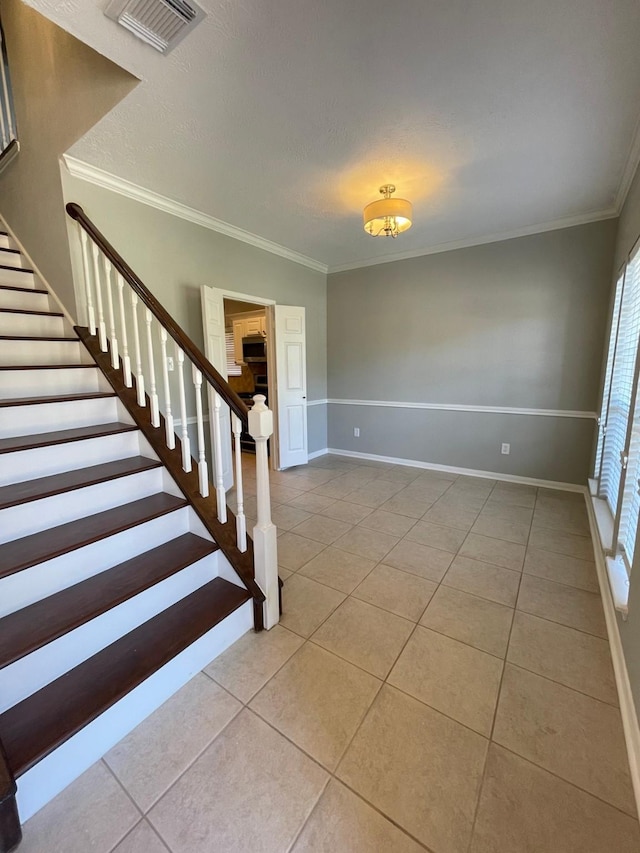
[630, 169]
[101, 178]
[527, 231]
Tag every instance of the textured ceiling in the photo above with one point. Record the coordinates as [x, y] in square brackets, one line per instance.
[283, 117]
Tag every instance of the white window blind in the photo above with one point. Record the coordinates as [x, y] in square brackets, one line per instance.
[233, 369]
[622, 379]
[630, 499]
[606, 391]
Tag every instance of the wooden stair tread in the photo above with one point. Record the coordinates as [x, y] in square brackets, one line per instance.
[62, 436]
[22, 289]
[48, 366]
[14, 269]
[59, 398]
[39, 338]
[27, 311]
[30, 550]
[10, 266]
[56, 484]
[48, 718]
[41, 623]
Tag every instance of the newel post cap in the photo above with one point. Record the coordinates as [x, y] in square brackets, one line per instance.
[260, 418]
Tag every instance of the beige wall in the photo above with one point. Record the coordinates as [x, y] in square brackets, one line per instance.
[61, 88]
[519, 323]
[174, 258]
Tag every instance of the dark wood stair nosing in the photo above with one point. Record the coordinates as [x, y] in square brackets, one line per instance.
[15, 269]
[47, 366]
[27, 551]
[16, 287]
[31, 313]
[10, 402]
[67, 436]
[64, 339]
[95, 474]
[48, 718]
[44, 621]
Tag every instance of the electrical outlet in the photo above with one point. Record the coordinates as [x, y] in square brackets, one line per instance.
[356, 432]
[505, 449]
[169, 363]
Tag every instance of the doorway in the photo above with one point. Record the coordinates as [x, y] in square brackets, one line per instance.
[229, 318]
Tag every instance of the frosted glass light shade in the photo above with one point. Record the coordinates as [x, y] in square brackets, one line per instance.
[387, 217]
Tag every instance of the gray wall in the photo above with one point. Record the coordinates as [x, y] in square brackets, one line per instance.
[61, 88]
[519, 323]
[628, 234]
[175, 257]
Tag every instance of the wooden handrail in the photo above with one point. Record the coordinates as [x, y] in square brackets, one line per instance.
[235, 403]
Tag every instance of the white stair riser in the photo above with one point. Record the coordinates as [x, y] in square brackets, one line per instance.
[5, 241]
[38, 325]
[12, 259]
[19, 279]
[28, 300]
[51, 775]
[43, 352]
[43, 666]
[50, 383]
[22, 465]
[36, 516]
[38, 582]
[49, 417]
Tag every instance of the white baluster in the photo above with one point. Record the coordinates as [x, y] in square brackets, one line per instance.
[153, 394]
[168, 417]
[102, 329]
[265, 545]
[203, 472]
[91, 314]
[126, 361]
[136, 342]
[241, 521]
[115, 361]
[221, 495]
[186, 445]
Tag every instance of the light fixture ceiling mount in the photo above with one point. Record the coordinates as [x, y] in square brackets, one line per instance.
[388, 216]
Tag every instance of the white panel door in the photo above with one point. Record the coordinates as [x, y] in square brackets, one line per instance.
[216, 351]
[291, 373]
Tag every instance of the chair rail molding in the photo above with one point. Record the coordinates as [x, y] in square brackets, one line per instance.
[461, 407]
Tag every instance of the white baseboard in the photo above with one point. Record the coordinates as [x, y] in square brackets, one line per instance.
[317, 453]
[623, 685]
[451, 469]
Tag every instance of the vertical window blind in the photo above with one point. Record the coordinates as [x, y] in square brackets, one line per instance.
[606, 391]
[618, 452]
[233, 369]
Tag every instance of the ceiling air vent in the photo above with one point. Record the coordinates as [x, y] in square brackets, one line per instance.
[160, 23]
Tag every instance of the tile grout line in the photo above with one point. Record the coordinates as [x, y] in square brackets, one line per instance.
[483, 777]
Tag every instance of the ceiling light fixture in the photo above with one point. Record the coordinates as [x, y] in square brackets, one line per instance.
[387, 217]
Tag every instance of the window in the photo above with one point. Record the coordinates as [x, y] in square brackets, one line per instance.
[618, 449]
[233, 369]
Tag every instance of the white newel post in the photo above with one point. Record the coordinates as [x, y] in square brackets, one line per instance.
[264, 533]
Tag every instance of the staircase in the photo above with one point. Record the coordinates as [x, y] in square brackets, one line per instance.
[113, 592]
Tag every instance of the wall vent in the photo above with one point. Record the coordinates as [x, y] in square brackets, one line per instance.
[160, 23]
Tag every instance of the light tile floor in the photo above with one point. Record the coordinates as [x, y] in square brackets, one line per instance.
[440, 680]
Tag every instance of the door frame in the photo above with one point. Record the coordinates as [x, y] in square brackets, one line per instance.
[272, 378]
